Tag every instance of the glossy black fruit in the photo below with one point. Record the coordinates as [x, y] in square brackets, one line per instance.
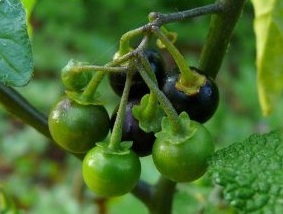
[142, 141]
[201, 106]
[138, 86]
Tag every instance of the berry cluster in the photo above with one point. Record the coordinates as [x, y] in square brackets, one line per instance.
[160, 114]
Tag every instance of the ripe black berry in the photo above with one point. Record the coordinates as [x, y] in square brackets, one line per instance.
[200, 106]
[142, 141]
[138, 86]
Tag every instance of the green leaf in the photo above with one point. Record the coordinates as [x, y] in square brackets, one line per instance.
[16, 63]
[251, 173]
[268, 26]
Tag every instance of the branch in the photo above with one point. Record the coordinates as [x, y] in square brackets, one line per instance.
[162, 199]
[161, 18]
[17, 105]
[144, 192]
[220, 33]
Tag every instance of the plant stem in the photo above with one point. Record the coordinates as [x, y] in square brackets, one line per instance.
[161, 19]
[163, 100]
[189, 81]
[151, 106]
[88, 68]
[17, 105]
[93, 85]
[220, 33]
[144, 192]
[126, 38]
[162, 199]
[178, 57]
[116, 135]
[152, 100]
[98, 77]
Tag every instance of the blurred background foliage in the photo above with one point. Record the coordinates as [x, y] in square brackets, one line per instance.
[39, 178]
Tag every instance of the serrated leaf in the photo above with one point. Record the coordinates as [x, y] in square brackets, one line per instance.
[16, 63]
[251, 173]
[268, 26]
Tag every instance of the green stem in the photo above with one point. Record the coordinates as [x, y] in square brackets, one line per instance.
[88, 68]
[189, 81]
[151, 105]
[17, 105]
[162, 199]
[93, 85]
[163, 100]
[187, 74]
[98, 77]
[126, 38]
[116, 135]
[147, 67]
[152, 97]
[220, 33]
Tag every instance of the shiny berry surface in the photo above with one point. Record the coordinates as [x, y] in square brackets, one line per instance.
[138, 87]
[201, 106]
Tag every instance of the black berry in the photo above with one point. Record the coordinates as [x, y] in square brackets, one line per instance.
[200, 106]
[142, 141]
[138, 86]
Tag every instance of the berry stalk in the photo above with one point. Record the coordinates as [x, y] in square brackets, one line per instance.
[125, 39]
[189, 81]
[116, 135]
[98, 77]
[164, 102]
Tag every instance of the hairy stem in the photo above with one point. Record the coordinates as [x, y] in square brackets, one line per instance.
[93, 84]
[178, 57]
[163, 100]
[98, 77]
[116, 135]
[126, 38]
[89, 68]
[220, 33]
[189, 81]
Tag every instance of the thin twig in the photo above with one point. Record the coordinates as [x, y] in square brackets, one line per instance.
[160, 19]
